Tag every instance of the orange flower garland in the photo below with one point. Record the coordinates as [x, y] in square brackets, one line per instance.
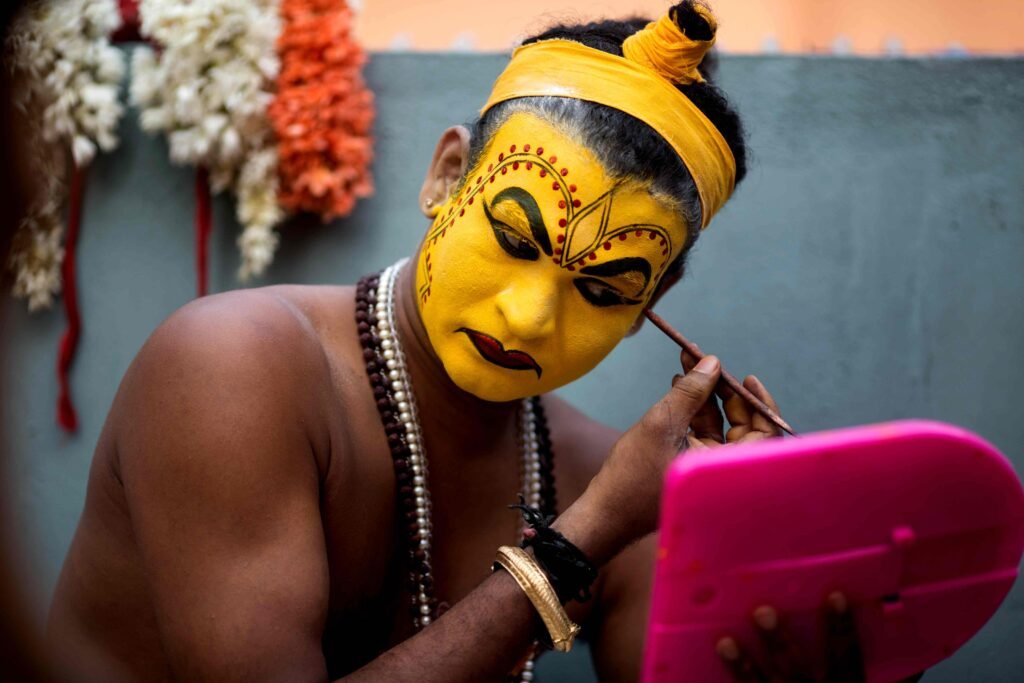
[323, 112]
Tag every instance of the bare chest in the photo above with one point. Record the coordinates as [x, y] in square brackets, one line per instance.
[367, 537]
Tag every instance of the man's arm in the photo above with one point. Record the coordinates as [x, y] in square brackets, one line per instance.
[222, 482]
[223, 490]
[222, 477]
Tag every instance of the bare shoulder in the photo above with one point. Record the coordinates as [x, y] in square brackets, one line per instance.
[581, 445]
[230, 357]
[223, 446]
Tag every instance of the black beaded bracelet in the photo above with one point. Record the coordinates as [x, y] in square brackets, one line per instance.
[570, 572]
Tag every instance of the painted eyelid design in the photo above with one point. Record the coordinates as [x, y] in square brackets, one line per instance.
[526, 250]
[593, 299]
[531, 211]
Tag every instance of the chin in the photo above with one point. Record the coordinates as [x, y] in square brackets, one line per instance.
[494, 386]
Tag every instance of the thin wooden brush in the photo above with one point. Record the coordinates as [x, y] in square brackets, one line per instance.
[734, 384]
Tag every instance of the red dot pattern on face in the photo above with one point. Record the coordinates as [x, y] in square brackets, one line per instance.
[561, 239]
[526, 148]
[572, 188]
[562, 222]
[543, 172]
[607, 246]
[512, 149]
[504, 170]
[553, 159]
[592, 256]
[470, 200]
[515, 166]
[556, 187]
[577, 203]
[490, 167]
[540, 151]
[501, 157]
[561, 203]
[565, 172]
[529, 165]
[622, 237]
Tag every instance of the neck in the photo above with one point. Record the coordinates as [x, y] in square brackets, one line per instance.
[469, 424]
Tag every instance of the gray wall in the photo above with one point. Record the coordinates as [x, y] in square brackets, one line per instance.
[868, 269]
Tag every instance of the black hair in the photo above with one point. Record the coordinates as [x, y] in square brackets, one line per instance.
[625, 145]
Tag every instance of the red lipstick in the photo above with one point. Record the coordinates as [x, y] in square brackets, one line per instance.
[494, 351]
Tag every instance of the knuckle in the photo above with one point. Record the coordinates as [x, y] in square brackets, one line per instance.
[693, 389]
[664, 424]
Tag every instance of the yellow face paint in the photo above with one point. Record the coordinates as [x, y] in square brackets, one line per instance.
[540, 265]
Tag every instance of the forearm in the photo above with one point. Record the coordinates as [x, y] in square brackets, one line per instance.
[486, 633]
[481, 638]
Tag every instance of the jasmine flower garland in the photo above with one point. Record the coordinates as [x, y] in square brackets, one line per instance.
[68, 76]
[208, 89]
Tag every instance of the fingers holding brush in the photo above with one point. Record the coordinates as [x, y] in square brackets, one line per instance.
[731, 384]
[707, 427]
[748, 424]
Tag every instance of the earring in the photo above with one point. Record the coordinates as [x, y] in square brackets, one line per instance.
[430, 209]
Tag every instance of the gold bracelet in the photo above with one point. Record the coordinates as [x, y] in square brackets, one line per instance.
[534, 582]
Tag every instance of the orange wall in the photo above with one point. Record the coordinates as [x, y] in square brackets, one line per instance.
[868, 27]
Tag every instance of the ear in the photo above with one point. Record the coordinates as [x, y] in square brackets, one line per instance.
[666, 284]
[451, 157]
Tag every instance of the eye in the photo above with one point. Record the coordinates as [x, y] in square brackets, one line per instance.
[511, 241]
[600, 293]
[515, 244]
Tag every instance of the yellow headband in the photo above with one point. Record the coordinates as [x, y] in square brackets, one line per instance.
[641, 85]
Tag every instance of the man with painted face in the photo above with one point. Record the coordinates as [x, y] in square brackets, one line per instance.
[260, 505]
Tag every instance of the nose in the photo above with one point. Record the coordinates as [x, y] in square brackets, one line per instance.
[529, 305]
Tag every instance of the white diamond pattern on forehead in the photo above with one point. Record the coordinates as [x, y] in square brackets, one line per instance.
[587, 228]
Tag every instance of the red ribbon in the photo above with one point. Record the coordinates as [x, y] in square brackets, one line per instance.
[204, 226]
[128, 31]
[67, 418]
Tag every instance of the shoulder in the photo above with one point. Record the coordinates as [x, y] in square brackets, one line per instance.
[248, 359]
[251, 319]
[580, 443]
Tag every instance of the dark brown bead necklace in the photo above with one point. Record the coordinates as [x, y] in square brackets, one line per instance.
[396, 405]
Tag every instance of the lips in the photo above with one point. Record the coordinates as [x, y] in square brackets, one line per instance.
[493, 350]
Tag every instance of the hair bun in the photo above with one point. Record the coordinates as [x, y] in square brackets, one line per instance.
[675, 45]
[694, 19]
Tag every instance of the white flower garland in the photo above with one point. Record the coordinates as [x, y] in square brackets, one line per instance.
[208, 89]
[68, 76]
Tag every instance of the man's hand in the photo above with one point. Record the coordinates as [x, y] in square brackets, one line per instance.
[778, 658]
[746, 424]
[621, 504]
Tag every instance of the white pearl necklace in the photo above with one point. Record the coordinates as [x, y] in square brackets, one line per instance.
[405, 399]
